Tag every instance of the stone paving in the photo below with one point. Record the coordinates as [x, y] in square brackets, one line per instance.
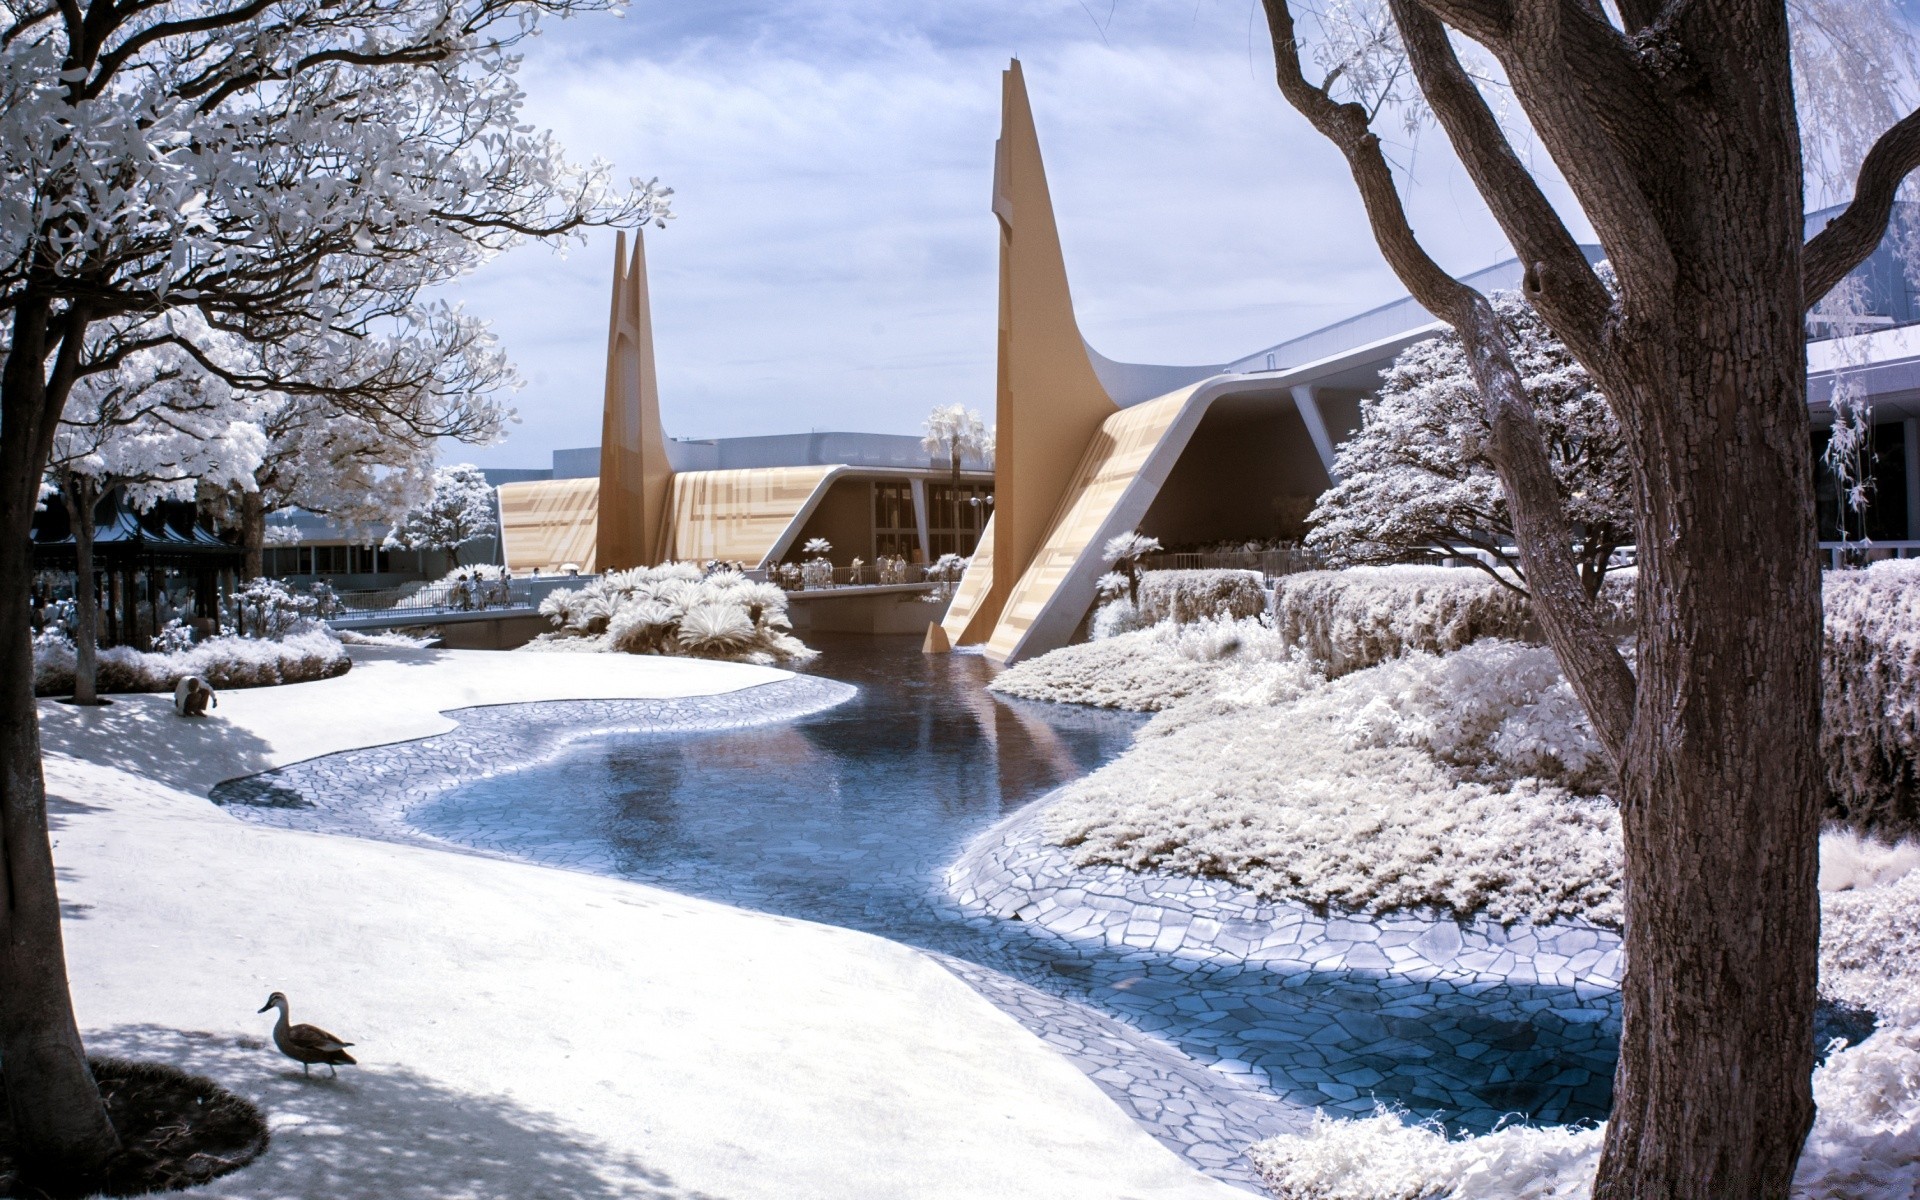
[371, 792]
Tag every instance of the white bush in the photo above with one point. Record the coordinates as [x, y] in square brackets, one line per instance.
[1464, 783]
[1151, 669]
[1861, 1146]
[1870, 946]
[1870, 709]
[1350, 620]
[1184, 597]
[674, 609]
[224, 662]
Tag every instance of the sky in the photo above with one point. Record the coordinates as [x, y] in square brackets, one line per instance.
[832, 261]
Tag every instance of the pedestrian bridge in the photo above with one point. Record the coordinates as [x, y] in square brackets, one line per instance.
[494, 618]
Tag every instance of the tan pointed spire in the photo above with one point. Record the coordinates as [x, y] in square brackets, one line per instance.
[635, 478]
[1050, 401]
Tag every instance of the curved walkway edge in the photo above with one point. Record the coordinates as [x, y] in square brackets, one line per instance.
[1013, 871]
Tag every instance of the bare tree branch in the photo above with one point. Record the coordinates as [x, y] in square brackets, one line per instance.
[1593, 664]
[1850, 237]
[1559, 280]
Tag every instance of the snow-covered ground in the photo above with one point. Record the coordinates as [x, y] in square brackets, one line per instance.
[526, 1032]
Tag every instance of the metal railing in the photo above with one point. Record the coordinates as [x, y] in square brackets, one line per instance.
[440, 598]
[1282, 560]
[1835, 556]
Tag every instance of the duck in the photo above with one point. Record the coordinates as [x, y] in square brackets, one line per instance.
[306, 1044]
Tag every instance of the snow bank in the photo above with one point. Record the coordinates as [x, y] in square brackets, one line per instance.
[1870, 729]
[225, 662]
[674, 609]
[1151, 669]
[1860, 1148]
[1467, 783]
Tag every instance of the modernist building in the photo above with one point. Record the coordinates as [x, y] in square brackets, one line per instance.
[641, 498]
[1089, 448]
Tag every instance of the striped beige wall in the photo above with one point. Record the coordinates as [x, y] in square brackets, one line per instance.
[739, 516]
[549, 523]
[1108, 466]
[968, 619]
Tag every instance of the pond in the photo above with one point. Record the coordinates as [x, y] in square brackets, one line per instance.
[849, 816]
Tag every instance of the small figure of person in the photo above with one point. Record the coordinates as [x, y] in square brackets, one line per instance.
[462, 593]
[192, 696]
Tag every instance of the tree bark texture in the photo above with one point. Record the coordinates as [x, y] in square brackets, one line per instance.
[1679, 140]
[81, 498]
[253, 532]
[60, 1127]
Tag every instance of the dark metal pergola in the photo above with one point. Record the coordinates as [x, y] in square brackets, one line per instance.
[135, 554]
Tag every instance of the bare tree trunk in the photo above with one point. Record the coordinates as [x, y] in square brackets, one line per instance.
[253, 532]
[1721, 790]
[1680, 144]
[61, 1131]
[81, 496]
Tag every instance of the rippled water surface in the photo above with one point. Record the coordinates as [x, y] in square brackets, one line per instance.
[848, 817]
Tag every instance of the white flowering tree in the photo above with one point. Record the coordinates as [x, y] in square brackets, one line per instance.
[1688, 133]
[156, 427]
[953, 431]
[294, 172]
[459, 508]
[1417, 480]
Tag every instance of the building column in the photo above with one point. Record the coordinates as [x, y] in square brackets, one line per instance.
[1305, 399]
[1910, 442]
[920, 518]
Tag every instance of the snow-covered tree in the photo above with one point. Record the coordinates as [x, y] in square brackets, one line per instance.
[459, 508]
[298, 173]
[955, 431]
[1125, 551]
[156, 427]
[1416, 481]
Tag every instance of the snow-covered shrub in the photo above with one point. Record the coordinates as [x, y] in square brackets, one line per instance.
[1850, 860]
[1860, 1147]
[945, 572]
[674, 609]
[1463, 784]
[225, 662]
[1184, 597]
[269, 609]
[1870, 946]
[1116, 617]
[1870, 709]
[392, 638]
[1353, 619]
[176, 635]
[1151, 669]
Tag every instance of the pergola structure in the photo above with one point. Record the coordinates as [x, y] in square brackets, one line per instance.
[140, 560]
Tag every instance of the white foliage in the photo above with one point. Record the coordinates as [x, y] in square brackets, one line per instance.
[1861, 1146]
[1870, 707]
[1361, 616]
[1155, 668]
[1850, 860]
[460, 508]
[157, 424]
[1417, 478]
[954, 432]
[225, 662]
[1462, 783]
[674, 609]
[1870, 945]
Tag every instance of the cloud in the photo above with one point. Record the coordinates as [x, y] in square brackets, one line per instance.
[833, 264]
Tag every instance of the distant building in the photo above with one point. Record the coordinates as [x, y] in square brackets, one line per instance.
[641, 498]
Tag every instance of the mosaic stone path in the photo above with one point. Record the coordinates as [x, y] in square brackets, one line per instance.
[371, 792]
